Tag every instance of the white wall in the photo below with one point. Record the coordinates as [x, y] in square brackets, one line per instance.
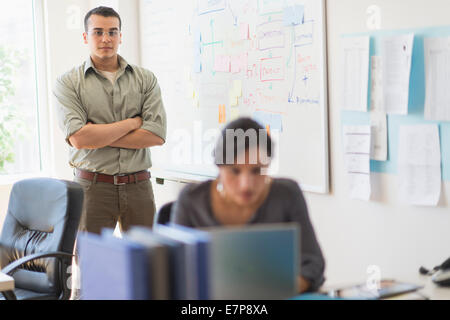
[353, 234]
[356, 234]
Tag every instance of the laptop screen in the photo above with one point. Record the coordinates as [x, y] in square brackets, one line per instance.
[254, 262]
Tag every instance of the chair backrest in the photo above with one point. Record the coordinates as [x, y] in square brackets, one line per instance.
[43, 216]
[163, 214]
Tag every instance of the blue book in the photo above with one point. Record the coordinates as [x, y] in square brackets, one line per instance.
[158, 262]
[112, 268]
[194, 280]
[176, 260]
[203, 261]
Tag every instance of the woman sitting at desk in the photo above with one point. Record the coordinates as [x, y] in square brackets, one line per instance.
[242, 194]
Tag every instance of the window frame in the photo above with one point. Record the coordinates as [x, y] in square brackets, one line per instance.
[42, 93]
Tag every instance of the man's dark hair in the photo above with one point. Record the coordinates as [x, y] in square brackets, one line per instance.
[241, 135]
[104, 12]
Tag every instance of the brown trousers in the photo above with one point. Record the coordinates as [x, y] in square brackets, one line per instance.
[105, 204]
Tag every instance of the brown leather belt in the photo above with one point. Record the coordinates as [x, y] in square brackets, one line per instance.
[117, 180]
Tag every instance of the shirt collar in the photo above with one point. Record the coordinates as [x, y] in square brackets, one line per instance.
[123, 64]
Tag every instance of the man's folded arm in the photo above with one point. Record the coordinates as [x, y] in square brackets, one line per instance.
[138, 139]
[96, 136]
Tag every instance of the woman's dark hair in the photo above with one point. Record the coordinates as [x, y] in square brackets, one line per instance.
[104, 12]
[240, 136]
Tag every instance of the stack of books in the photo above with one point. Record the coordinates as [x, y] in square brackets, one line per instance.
[176, 262]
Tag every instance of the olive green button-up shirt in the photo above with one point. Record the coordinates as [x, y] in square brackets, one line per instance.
[84, 95]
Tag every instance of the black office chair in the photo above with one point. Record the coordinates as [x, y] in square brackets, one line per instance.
[38, 237]
[163, 215]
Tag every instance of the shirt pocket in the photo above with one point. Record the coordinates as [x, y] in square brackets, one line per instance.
[132, 106]
[98, 105]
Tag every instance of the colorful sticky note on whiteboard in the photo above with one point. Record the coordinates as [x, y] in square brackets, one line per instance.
[234, 101]
[222, 63]
[245, 31]
[239, 62]
[261, 117]
[293, 15]
[222, 118]
[276, 123]
[237, 88]
[196, 101]
[273, 120]
[233, 114]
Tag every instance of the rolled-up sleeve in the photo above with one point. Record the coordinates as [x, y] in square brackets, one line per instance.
[153, 112]
[71, 115]
[312, 262]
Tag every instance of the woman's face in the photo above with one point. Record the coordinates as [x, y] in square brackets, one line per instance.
[243, 183]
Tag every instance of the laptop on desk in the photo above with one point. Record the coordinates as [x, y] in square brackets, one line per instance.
[259, 262]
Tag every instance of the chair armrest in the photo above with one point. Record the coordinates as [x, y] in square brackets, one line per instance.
[10, 268]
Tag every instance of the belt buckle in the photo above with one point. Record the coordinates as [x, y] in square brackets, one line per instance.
[117, 183]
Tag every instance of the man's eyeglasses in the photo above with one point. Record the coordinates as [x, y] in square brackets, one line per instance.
[100, 34]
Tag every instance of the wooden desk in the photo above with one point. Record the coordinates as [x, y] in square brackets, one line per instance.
[6, 282]
[430, 289]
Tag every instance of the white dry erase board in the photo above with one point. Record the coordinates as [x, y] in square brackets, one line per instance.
[216, 60]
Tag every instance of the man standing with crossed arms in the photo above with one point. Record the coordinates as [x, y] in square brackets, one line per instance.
[111, 113]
